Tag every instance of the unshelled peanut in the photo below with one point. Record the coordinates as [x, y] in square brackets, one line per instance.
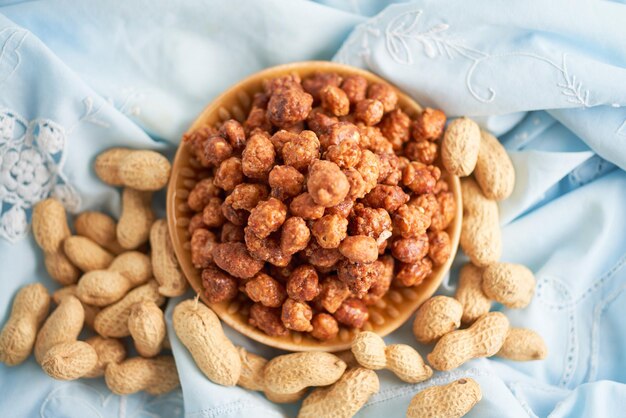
[107, 165]
[460, 146]
[480, 232]
[483, 339]
[90, 310]
[109, 350]
[513, 285]
[147, 327]
[290, 373]
[469, 293]
[49, 223]
[86, 254]
[30, 307]
[200, 330]
[453, 400]
[155, 376]
[139, 169]
[344, 398]
[69, 361]
[62, 326]
[494, 170]
[436, 317]
[404, 361]
[100, 228]
[522, 344]
[164, 263]
[133, 228]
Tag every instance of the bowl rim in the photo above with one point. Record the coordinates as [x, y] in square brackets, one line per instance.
[247, 330]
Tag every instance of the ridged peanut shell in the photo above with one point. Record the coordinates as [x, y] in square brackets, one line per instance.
[481, 237]
[523, 344]
[494, 170]
[406, 363]
[436, 317]
[513, 285]
[290, 373]
[164, 263]
[469, 293]
[86, 254]
[69, 361]
[146, 324]
[102, 287]
[49, 223]
[63, 325]
[453, 400]
[60, 268]
[200, 330]
[344, 398]
[30, 307]
[112, 321]
[156, 376]
[144, 170]
[133, 265]
[368, 349]
[460, 146]
[109, 350]
[107, 165]
[100, 228]
[483, 339]
[133, 228]
[90, 310]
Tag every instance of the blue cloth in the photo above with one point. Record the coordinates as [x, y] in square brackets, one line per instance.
[549, 78]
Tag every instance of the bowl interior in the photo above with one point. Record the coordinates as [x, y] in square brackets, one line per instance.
[385, 316]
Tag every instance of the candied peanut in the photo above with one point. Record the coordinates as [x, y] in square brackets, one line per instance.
[325, 327]
[319, 122]
[358, 187]
[443, 216]
[218, 286]
[297, 315]
[339, 132]
[229, 174]
[234, 258]
[236, 216]
[303, 284]
[355, 87]
[285, 182]
[353, 313]
[265, 290]
[304, 207]
[395, 127]
[280, 138]
[258, 157]
[382, 280]
[231, 233]
[321, 257]
[343, 209]
[212, 213]
[357, 276]
[296, 128]
[267, 320]
[202, 243]
[439, 247]
[335, 100]
[247, 196]
[201, 193]
[441, 186]
[369, 111]
[424, 152]
[294, 236]
[369, 168]
[195, 140]
[267, 217]
[390, 172]
[288, 106]
[257, 120]
[266, 249]
[318, 81]
[387, 197]
[346, 154]
[359, 249]
[195, 223]
[428, 202]
[420, 178]
[413, 274]
[372, 222]
[332, 293]
[370, 135]
[410, 250]
[284, 82]
[282, 273]
[326, 184]
[429, 125]
[385, 94]
[234, 132]
[215, 150]
[410, 221]
[330, 230]
[302, 151]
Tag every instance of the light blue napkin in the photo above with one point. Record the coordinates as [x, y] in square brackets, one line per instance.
[77, 78]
